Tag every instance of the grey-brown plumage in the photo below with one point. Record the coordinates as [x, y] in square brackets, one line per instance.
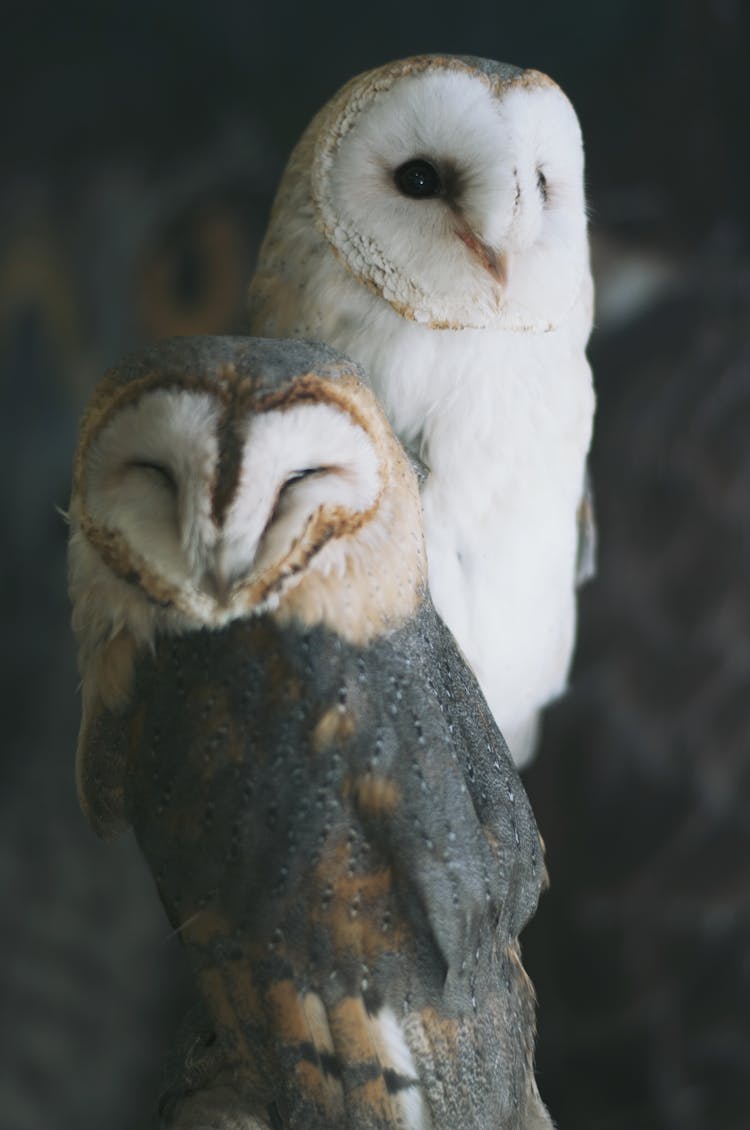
[330, 814]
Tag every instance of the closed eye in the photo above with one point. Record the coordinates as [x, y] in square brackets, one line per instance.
[283, 495]
[297, 476]
[157, 469]
[292, 479]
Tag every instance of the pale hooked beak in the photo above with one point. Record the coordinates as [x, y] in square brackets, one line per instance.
[218, 585]
[218, 577]
[493, 261]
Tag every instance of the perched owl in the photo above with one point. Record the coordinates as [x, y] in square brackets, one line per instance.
[431, 223]
[330, 814]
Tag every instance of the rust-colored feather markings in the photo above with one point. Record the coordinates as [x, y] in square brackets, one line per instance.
[332, 819]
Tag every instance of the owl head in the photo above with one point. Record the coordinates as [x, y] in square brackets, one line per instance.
[219, 478]
[450, 187]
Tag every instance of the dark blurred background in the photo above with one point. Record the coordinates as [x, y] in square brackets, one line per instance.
[141, 147]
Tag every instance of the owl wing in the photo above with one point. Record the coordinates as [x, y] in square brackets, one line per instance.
[492, 781]
[241, 802]
[463, 838]
[339, 892]
[587, 539]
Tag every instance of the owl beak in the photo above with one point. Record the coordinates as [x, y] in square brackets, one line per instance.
[218, 576]
[228, 565]
[493, 261]
[218, 585]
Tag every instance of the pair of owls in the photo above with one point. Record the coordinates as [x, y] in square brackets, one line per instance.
[331, 815]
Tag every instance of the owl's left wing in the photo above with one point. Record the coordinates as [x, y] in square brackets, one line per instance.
[463, 841]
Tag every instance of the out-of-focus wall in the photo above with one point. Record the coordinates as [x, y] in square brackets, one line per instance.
[141, 146]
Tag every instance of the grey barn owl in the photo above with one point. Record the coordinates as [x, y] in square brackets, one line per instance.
[333, 822]
[431, 224]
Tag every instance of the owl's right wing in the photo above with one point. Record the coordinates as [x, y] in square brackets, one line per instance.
[493, 785]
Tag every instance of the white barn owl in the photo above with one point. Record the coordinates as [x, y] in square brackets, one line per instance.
[431, 224]
[337, 833]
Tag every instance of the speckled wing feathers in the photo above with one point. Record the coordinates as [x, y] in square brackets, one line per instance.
[327, 870]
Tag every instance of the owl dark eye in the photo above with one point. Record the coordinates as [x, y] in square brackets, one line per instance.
[541, 182]
[418, 179]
